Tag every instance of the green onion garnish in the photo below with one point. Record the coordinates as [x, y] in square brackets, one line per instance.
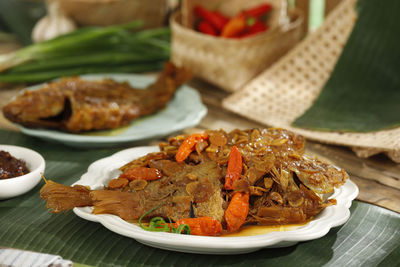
[158, 224]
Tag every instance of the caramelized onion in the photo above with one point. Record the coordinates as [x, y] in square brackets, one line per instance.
[295, 199]
[276, 197]
[268, 182]
[138, 185]
[257, 191]
[217, 138]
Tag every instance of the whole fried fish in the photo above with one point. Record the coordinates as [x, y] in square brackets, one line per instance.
[76, 105]
[283, 184]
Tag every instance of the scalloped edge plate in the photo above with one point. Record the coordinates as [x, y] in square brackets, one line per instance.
[103, 170]
[184, 110]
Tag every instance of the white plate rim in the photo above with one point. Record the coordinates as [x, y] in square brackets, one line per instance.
[104, 169]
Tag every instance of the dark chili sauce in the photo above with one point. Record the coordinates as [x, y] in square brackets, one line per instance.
[11, 167]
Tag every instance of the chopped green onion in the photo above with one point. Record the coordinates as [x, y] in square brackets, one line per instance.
[183, 229]
[158, 224]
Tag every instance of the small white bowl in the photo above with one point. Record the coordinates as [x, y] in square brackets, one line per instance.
[12, 187]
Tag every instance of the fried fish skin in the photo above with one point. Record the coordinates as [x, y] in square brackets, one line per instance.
[77, 105]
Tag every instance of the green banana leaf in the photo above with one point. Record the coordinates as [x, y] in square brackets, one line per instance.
[370, 237]
[363, 92]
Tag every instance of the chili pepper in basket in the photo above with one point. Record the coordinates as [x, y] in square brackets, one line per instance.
[247, 22]
[141, 173]
[216, 19]
[205, 226]
[255, 28]
[234, 27]
[223, 19]
[234, 169]
[207, 28]
[236, 213]
[258, 11]
[188, 146]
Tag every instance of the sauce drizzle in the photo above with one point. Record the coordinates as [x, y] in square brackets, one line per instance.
[251, 230]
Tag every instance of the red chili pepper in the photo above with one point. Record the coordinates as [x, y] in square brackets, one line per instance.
[223, 19]
[205, 226]
[188, 146]
[217, 20]
[257, 27]
[207, 28]
[234, 27]
[258, 11]
[234, 169]
[236, 213]
[141, 173]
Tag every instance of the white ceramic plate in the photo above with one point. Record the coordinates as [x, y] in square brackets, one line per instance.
[103, 170]
[183, 111]
[16, 186]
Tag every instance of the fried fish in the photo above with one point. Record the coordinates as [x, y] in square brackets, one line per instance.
[276, 184]
[77, 105]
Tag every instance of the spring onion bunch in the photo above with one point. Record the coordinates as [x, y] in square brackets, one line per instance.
[89, 50]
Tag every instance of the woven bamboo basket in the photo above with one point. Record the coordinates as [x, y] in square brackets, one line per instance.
[231, 63]
[109, 12]
[295, 81]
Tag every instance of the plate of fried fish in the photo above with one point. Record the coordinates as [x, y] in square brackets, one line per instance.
[202, 193]
[107, 109]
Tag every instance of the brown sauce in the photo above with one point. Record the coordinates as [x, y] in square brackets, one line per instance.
[251, 230]
[11, 167]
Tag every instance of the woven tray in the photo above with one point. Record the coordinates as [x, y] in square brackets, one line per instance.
[288, 88]
[230, 63]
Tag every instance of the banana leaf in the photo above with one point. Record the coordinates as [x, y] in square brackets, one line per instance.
[370, 237]
[363, 92]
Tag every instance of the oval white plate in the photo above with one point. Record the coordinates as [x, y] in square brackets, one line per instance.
[103, 170]
[183, 111]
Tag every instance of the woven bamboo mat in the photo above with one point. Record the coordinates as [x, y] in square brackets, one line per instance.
[286, 90]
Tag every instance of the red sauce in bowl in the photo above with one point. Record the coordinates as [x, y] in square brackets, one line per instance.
[11, 167]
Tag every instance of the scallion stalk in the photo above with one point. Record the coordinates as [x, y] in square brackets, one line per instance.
[104, 59]
[91, 49]
[41, 76]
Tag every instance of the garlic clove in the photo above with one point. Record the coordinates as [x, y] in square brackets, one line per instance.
[39, 28]
[55, 23]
